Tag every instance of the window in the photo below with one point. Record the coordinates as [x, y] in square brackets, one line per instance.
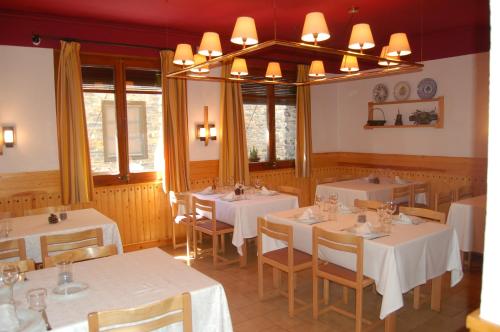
[123, 106]
[270, 122]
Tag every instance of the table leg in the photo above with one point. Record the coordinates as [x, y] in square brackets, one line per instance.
[436, 293]
[243, 257]
[390, 322]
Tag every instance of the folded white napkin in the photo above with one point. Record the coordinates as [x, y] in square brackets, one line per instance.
[207, 191]
[308, 214]
[266, 192]
[362, 229]
[399, 180]
[408, 220]
[229, 197]
[8, 317]
[342, 208]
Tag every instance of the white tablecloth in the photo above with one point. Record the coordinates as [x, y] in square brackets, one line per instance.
[410, 256]
[350, 190]
[243, 214]
[468, 217]
[130, 280]
[32, 227]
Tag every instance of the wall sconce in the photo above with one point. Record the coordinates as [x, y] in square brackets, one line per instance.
[206, 130]
[9, 136]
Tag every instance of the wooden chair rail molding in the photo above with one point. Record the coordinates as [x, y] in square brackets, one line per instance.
[143, 213]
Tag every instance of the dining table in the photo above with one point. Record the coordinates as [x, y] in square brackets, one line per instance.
[468, 217]
[126, 281]
[242, 212]
[31, 228]
[349, 190]
[398, 261]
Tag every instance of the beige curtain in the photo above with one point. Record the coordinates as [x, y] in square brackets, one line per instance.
[74, 159]
[175, 128]
[233, 160]
[303, 145]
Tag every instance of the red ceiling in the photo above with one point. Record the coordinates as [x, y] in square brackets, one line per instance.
[437, 29]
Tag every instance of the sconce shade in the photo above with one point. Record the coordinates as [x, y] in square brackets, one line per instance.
[315, 28]
[239, 67]
[361, 37]
[183, 55]
[317, 69]
[349, 63]
[386, 61]
[273, 70]
[244, 32]
[199, 59]
[9, 137]
[210, 45]
[399, 45]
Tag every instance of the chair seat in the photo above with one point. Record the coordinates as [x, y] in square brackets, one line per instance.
[183, 219]
[207, 224]
[281, 256]
[342, 272]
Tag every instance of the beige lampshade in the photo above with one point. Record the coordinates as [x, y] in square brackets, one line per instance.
[317, 69]
[273, 70]
[210, 45]
[183, 55]
[399, 45]
[315, 28]
[199, 59]
[244, 32]
[239, 67]
[361, 37]
[349, 63]
[387, 59]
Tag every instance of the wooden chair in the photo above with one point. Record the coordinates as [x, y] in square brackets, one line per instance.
[210, 226]
[13, 249]
[338, 274]
[81, 254]
[428, 214]
[25, 265]
[287, 259]
[463, 192]
[181, 202]
[325, 180]
[5, 215]
[145, 318]
[443, 200]
[291, 191]
[48, 209]
[402, 195]
[367, 204]
[70, 241]
[421, 188]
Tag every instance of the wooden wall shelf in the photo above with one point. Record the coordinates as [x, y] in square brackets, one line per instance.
[437, 124]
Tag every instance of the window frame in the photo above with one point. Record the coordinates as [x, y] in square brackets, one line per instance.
[120, 64]
[271, 100]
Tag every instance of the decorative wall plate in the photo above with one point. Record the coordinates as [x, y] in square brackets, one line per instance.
[402, 91]
[427, 88]
[380, 93]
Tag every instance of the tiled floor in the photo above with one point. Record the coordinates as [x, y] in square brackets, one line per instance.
[250, 314]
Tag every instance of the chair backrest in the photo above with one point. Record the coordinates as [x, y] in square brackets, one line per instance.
[23, 265]
[342, 242]
[463, 192]
[13, 248]
[443, 200]
[203, 205]
[70, 241]
[5, 215]
[291, 191]
[179, 201]
[420, 188]
[424, 213]
[80, 255]
[47, 209]
[276, 231]
[402, 194]
[145, 318]
[325, 180]
[367, 204]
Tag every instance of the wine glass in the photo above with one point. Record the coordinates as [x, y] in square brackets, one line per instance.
[391, 207]
[9, 275]
[37, 299]
[317, 201]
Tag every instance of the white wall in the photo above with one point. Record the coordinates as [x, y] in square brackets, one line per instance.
[463, 81]
[27, 100]
[324, 118]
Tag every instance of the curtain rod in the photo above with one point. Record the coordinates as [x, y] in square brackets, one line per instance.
[36, 39]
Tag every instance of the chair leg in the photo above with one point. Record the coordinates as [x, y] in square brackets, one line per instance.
[315, 296]
[345, 295]
[174, 242]
[188, 239]
[326, 291]
[223, 243]
[215, 246]
[260, 272]
[291, 293]
[359, 309]
[195, 244]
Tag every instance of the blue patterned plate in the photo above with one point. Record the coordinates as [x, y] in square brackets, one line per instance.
[427, 88]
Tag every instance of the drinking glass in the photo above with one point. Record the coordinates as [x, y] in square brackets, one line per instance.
[37, 299]
[258, 183]
[391, 207]
[9, 275]
[5, 228]
[63, 215]
[317, 201]
[65, 272]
